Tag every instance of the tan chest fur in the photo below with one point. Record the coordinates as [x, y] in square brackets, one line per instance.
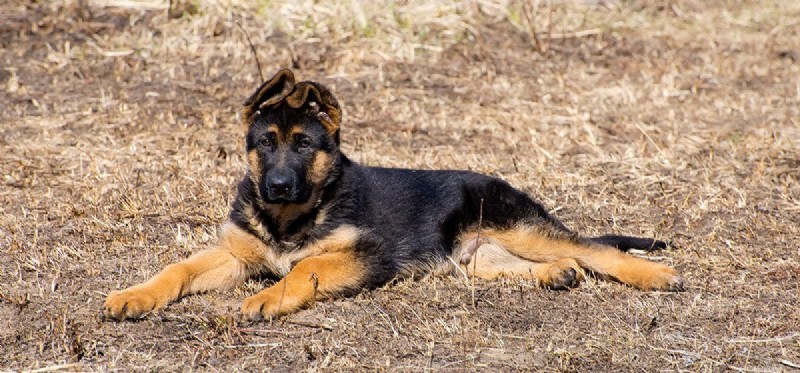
[258, 254]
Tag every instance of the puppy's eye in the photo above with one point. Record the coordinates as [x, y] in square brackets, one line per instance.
[265, 142]
[304, 143]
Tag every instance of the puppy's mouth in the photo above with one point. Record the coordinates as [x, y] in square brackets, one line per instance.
[280, 201]
[284, 197]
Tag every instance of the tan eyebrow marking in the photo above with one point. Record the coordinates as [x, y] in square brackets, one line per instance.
[296, 130]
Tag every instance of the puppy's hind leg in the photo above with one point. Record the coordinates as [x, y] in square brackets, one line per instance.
[489, 260]
[544, 244]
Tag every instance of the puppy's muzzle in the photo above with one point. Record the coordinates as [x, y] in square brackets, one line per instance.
[280, 184]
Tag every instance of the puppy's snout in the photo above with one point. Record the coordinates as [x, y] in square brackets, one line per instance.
[280, 183]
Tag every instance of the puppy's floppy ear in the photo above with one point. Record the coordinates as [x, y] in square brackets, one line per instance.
[270, 93]
[321, 103]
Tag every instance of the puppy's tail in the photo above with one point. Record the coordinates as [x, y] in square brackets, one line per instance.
[626, 243]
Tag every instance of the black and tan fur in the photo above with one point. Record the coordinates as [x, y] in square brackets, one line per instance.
[330, 227]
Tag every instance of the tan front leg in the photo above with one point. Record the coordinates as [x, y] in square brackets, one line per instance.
[233, 261]
[312, 278]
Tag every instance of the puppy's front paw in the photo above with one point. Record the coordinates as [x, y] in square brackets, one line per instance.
[260, 306]
[128, 304]
[266, 304]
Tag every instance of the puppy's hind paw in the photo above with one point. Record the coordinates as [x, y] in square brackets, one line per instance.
[664, 279]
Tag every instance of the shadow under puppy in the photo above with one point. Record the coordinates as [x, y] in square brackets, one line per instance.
[330, 227]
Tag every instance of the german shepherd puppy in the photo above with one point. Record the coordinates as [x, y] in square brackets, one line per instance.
[330, 227]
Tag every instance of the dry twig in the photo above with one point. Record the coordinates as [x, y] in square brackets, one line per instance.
[530, 9]
[253, 50]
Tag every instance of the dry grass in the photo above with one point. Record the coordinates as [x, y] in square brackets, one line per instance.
[120, 150]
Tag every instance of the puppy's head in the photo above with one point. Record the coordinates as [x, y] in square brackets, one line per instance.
[292, 138]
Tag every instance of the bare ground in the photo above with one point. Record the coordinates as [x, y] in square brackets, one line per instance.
[120, 147]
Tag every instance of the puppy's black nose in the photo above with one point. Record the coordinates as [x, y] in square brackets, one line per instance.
[280, 186]
[279, 182]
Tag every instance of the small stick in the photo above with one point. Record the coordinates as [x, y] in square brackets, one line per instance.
[310, 324]
[577, 34]
[253, 49]
[766, 340]
[477, 244]
[790, 364]
[430, 361]
[471, 249]
[315, 280]
[283, 292]
[549, 25]
[20, 301]
[266, 331]
[531, 12]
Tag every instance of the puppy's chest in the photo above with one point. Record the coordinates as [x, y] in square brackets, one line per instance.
[281, 257]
